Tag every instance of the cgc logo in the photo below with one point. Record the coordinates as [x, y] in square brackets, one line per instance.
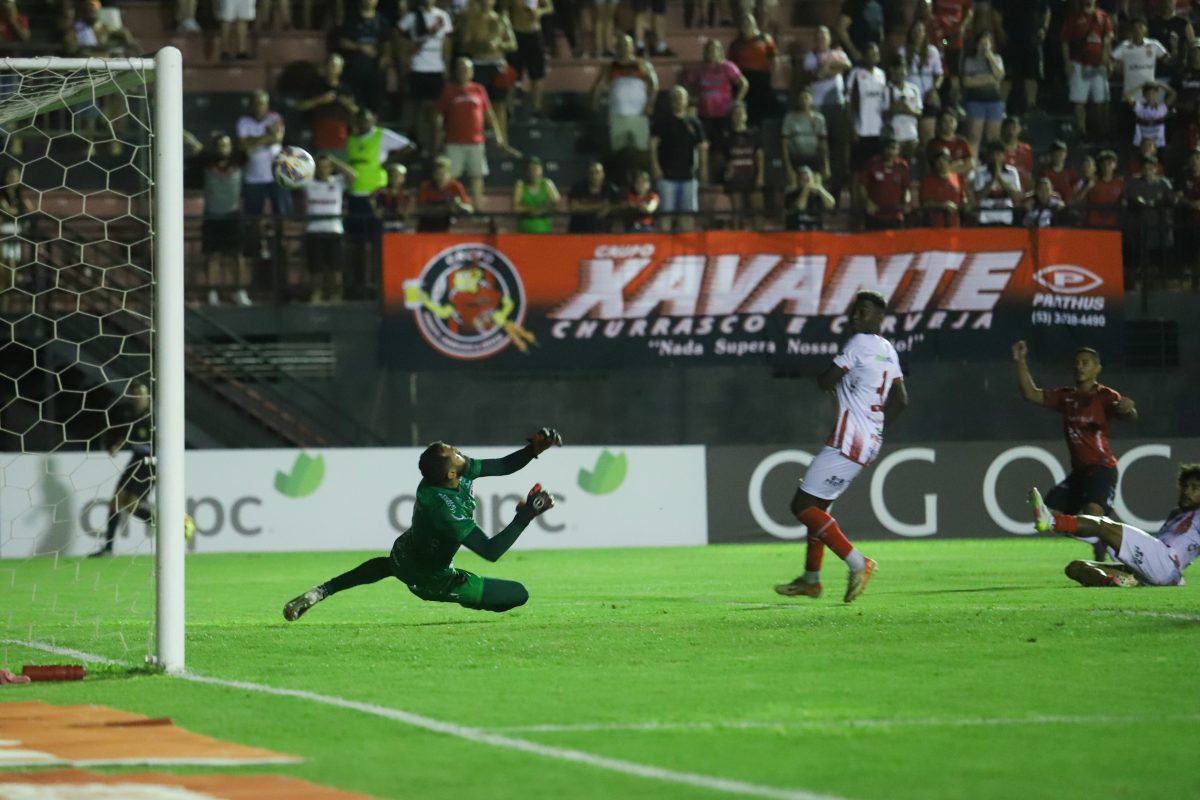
[1067, 279]
[469, 303]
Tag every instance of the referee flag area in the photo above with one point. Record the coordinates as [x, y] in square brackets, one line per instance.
[972, 668]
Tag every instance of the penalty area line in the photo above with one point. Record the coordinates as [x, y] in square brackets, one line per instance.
[476, 735]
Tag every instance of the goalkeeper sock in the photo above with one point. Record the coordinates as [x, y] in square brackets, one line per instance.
[1065, 523]
[110, 532]
[372, 571]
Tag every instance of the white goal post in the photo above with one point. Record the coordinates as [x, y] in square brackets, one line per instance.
[32, 87]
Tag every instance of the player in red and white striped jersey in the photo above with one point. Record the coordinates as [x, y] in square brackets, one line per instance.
[1087, 411]
[870, 392]
[1144, 559]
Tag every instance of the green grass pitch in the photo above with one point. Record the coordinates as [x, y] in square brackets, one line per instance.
[969, 669]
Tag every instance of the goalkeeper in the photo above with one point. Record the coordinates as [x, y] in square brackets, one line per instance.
[443, 520]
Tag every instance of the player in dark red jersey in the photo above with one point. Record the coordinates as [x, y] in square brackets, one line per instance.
[1087, 410]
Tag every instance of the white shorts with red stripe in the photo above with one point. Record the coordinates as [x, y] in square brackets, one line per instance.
[1154, 562]
[829, 474]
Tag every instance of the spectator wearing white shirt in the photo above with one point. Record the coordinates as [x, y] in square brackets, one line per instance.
[824, 74]
[430, 47]
[260, 135]
[1150, 114]
[903, 102]
[925, 69]
[632, 85]
[323, 232]
[1138, 56]
[867, 88]
[997, 188]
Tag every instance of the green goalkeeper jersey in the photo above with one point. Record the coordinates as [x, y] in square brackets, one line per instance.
[442, 520]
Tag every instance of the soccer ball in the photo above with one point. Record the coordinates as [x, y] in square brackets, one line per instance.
[294, 167]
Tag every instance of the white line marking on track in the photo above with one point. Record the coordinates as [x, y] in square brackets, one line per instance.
[480, 736]
[964, 722]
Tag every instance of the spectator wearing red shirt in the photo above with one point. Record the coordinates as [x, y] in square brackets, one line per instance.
[947, 20]
[1017, 153]
[755, 53]
[1087, 51]
[641, 204]
[744, 163]
[466, 112]
[439, 199]
[330, 106]
[392, 202]
[942, 194]
[962, 159]
[1103, 195]
[1062, 178]
[885, 188]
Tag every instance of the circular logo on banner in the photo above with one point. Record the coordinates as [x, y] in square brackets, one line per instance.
[469, 302]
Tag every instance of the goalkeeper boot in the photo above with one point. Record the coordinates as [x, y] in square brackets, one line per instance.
[799, 588]
[297, 606]
[1043, 520]
[857, 582]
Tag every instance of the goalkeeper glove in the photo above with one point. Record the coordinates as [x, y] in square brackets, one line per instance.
[538, 501]
[543, 440]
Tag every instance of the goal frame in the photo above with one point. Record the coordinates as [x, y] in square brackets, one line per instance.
[166, 70]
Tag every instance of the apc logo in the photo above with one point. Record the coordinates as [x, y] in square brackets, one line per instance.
[469, 303]
[304, 479]
[1068, 279]
[607, 476]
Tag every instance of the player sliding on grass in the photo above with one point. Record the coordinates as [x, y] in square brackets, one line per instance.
[1143, 558]
[1087, 409]
[443, 520]
[870, 394]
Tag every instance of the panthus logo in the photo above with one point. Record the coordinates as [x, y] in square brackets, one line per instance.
[1068, 279]
[469, 302]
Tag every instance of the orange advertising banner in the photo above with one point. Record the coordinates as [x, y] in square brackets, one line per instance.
[525, 301]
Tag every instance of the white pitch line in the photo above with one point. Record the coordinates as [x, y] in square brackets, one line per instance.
[931, 722]
[480, 736]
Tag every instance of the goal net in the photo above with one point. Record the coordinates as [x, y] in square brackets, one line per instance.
[90, 365]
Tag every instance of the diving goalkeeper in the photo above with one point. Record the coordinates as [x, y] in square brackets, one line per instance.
[443, 520]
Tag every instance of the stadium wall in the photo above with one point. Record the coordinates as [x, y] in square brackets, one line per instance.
[619, 496]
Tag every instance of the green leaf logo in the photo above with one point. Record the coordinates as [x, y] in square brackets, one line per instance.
[306, 475]
[606, 476]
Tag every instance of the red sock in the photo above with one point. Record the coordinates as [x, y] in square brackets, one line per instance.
[813, 555]
[824, 527]
[1065, 523]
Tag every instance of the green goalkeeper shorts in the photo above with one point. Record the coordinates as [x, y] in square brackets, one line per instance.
[450, 586]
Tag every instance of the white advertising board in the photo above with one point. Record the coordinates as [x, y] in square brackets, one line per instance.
[361, 499]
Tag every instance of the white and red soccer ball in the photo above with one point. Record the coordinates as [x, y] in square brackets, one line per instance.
[294, 167]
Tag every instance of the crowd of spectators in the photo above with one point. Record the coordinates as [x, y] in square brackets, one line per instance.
[899, 113]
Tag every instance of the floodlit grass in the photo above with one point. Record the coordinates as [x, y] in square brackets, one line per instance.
[969, 669]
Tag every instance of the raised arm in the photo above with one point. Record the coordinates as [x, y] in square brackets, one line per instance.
[1024, 380]
[539, 443]
[538, 501]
